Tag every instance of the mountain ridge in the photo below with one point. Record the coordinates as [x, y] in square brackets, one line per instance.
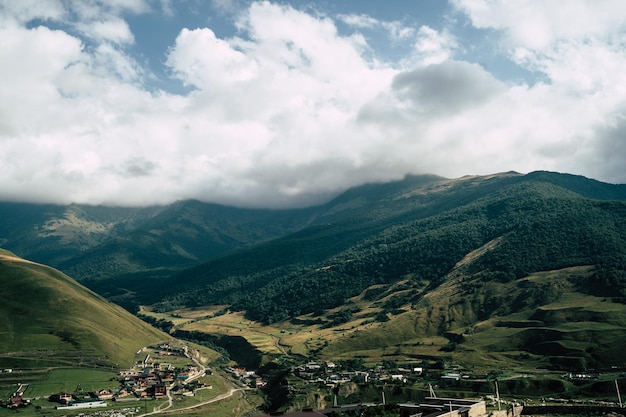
[384, 254]
[538, 225]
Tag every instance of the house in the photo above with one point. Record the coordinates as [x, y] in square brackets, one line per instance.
[83, 404]
[167, 377]
[62, 398]
[166, 350]
[398, 378]
[238, 371]
[128, 372]
[159, 390]
[15, 402]
[312, 366]
[122, 393]
[130, 385]
[104, 394]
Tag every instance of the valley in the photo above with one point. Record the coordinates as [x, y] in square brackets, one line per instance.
[467, 363]
[514, 278]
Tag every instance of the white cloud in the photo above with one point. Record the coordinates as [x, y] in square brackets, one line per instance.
[33, 62]
[114, 30]
[396, 30]
[359, 20]
[571, 43]
[433, 47]
[289, 110]
[204, 61]
[578, 48]
[539, 24]
[92, 10]
[293, 89]
[430, 46]
[26, 10]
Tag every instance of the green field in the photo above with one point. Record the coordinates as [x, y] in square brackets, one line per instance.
[69, 380]
[41, 383]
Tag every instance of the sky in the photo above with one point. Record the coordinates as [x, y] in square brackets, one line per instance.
[280, 104]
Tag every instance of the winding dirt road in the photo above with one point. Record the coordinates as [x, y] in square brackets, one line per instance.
[167, 410]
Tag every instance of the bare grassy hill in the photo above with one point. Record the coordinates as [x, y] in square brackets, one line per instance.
[48, 318]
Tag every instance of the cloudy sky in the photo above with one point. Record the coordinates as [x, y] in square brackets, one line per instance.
[278, 104]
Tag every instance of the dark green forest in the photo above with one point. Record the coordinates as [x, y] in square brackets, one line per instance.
[539, 222]
[278, 264]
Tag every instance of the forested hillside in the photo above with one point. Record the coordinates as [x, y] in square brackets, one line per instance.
[417, 231]
[92, 243]
[540, 258]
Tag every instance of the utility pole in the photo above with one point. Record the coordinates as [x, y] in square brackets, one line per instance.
[497, 394]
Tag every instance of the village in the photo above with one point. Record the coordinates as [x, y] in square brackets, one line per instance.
[168, 370]
[162, 371]
[334, 374]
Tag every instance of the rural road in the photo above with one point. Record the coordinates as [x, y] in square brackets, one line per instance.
[167, 409]
[212, 400]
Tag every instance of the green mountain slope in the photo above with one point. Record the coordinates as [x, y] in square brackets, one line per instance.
[47, 316]
[95, 242]
[453, 264]
[399, 245]
[52, 234]
[543, 320]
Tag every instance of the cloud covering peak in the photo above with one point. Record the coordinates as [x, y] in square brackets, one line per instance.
[292, 105]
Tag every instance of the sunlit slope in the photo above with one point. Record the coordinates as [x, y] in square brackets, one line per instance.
[546, 319]
[43, 310]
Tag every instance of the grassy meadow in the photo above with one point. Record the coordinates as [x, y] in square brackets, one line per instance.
[568, 329]
[47, 317]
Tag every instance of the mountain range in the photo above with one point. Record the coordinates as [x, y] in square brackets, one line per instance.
[540, 258]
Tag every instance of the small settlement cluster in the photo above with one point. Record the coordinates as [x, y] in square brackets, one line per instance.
[330, 374]
[150, 377]
[333, 374]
